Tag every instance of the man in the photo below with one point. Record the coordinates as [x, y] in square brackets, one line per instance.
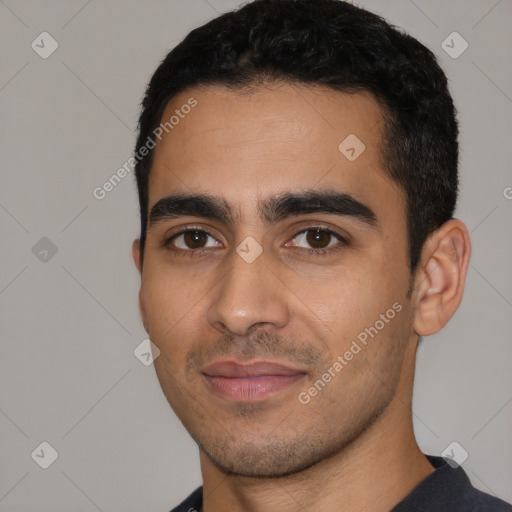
[297, 177]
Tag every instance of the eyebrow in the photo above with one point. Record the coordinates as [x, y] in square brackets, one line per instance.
[272, 210]
[330, 202]
[197, 205]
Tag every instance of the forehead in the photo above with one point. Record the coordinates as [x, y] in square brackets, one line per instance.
[245, 146]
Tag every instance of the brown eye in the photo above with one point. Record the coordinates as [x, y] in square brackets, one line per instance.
[318, 238]
[193, 239]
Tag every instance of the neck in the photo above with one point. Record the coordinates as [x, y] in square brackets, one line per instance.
[372, 474]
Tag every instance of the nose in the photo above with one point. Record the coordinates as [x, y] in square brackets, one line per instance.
[250, 294]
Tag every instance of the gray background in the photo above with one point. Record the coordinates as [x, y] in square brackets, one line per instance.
[70, 323]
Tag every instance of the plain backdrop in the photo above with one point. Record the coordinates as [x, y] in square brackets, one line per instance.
[68, 287]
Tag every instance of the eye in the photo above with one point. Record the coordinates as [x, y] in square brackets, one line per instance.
[317, 239]
[192, 239]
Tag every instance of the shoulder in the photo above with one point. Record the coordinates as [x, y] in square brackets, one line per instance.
[482, 502]
[193, 503]
[448, 488]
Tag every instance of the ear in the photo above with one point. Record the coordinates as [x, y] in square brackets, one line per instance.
[136, 254]
[441, 276]
[137, 260]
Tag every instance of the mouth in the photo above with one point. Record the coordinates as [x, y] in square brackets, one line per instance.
[249, 382]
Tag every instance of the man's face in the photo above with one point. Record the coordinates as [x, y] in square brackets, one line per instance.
[253, 296]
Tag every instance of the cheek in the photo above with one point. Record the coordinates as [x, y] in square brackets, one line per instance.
[357, 306]
[343, 302]
[174, 306]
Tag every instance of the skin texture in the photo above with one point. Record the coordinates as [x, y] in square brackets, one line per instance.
[353, 442]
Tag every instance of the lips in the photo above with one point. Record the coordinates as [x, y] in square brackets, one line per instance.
[249, 382]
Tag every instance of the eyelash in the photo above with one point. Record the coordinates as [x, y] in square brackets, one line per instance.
[182, 252]
[342, 242]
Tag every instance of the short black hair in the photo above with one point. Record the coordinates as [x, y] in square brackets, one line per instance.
[335, 44]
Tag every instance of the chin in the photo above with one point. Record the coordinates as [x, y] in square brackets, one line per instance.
[269, 459]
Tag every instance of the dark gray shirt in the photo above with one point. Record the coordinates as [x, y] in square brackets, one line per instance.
[445, 490]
